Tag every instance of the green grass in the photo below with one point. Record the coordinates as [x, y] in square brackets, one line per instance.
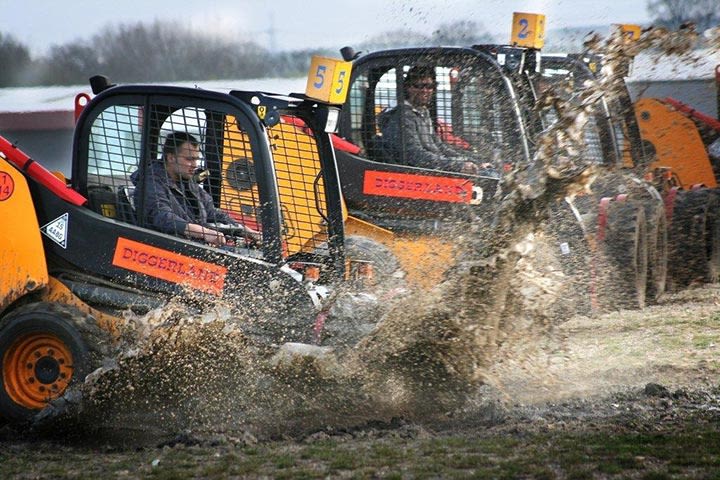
[689, 452]
[705, 341]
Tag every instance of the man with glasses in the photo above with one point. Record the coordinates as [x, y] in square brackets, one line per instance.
[173, 200]
[408, 134]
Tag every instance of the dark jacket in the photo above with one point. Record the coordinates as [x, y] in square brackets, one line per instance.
[170, 206]
[409, 137]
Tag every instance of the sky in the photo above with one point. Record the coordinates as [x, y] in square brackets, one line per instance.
[297, 24]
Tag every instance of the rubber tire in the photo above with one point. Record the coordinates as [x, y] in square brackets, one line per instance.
[574, 255]
[695, 238]
[658, 250]
[80, 333]
[712, 241]
[385, 263]
[626, 253]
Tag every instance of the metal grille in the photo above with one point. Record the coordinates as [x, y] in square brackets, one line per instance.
[225, 169]
[300, 185]
[113, 155]
[470, 117]
[561, 82]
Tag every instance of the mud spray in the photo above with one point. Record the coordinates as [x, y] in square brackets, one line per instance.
[422, 356]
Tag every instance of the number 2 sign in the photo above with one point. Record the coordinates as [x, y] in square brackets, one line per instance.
[528, 30]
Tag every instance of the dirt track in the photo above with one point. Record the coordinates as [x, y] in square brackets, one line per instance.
[593, 380]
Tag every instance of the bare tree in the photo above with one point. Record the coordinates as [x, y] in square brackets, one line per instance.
[14, 60]
[673, 13]
[68, 64]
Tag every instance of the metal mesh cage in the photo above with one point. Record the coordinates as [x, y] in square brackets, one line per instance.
[300, 186]
[466, 117]
[223, 166]
[226, 170]
[113, 155]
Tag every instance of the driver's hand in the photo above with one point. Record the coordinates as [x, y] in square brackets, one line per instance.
[214, 237]
[253, 234]
[469, 168]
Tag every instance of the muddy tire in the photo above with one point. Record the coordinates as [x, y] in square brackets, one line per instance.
[360, 304]
[44, 349]
[658, 251]
[695, 238]
[575, 259]
[626, 250]
[384, 262]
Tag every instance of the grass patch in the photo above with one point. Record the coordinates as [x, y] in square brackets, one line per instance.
[705, 341]
[691, 451]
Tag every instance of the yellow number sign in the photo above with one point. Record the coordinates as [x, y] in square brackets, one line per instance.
[528, 30]
[328, 79]
[629, 31]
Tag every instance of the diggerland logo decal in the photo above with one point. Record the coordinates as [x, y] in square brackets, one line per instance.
[170, 266]
[418, 187]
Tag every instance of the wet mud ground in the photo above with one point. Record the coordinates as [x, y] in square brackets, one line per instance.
[631, 394]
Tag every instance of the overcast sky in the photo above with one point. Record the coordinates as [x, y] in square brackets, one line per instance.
[294, 24]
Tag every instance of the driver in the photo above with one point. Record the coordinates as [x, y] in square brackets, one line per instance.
[408, 134]
[173, 200]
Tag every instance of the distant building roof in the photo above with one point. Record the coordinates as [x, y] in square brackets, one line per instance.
[654, 67]
[62, 99]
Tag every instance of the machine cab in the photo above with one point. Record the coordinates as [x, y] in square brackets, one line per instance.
[474, 115]
[265, 161]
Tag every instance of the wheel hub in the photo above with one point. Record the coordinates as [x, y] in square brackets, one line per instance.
[37, 368]
[47, 370]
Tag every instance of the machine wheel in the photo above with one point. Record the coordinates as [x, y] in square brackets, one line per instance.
[712, 240]
[627, 253]
[657, 247]
[385, 263]
[695, 238]
[44, 349]
[355, 311]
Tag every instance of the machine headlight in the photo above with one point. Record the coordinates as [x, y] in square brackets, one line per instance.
[333, 114]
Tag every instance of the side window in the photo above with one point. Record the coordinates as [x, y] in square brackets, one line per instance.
[386, 92]
[113, 155]
[486, 118]
[357, 94]
[189, 120]
[224, 167]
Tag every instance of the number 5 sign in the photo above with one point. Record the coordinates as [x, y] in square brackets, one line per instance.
[328, 79]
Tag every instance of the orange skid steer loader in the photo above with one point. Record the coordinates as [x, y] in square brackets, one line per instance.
[78, 253]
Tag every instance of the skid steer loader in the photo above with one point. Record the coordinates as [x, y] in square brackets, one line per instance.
[666, 142]
[486, 104]
[79, 253]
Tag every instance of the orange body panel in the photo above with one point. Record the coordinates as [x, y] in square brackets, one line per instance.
[56, 292]
[424, 258]
[24, 269]
[677, 142]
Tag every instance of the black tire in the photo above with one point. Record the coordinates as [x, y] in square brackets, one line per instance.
[657, 247]
[384, 261]
[625, 284]
[44, 349]
[712, 241]
[695, 238]
[566, 231]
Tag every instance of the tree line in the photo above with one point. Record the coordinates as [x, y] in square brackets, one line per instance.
[164, 51]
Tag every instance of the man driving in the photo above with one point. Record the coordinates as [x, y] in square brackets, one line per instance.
[174, 202]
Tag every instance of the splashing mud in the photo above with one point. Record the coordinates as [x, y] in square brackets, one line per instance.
[181, 372]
